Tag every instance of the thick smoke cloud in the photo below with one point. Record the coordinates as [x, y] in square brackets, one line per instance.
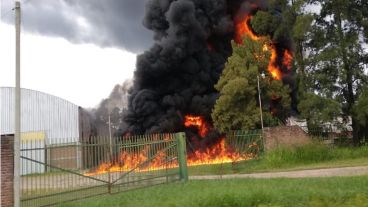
[114, 106]
[107, 23]
[176, 77]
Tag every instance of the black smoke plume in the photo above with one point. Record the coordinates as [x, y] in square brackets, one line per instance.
[176, 77]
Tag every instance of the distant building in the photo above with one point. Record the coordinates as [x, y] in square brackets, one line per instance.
[336, 129]
[46, 120]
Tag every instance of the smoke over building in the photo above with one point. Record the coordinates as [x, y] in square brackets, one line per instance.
[114, 106]
[173, 88]
[176, 77]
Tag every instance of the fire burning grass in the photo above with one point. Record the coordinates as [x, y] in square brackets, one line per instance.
[216, 154]
[143, 161]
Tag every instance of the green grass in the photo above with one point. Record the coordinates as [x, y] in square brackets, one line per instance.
[313, 153]
[313, 156]
[311, 192]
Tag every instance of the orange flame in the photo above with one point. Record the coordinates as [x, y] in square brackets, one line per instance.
[243, 28]
[216, 154]
[272, 68]
[287, 60]
[197, 122]
[129, 160]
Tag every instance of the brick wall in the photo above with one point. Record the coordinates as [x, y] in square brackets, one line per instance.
[7, 169]
[64, 157]
[285, 136]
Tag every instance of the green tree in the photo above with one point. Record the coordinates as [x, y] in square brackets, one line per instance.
[361, 114]
[302, 22]
[336, 56]
[291, 26]
[237, 106]
[318, 110]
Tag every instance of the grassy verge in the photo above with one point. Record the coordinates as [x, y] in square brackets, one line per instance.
[312, 156]
[311, 192]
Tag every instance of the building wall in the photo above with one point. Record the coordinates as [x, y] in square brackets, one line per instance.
[56, 117]
[46, 120]
[33, 147]
[7, 170]
[285, 136]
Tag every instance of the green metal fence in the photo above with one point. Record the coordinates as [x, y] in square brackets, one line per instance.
[67, 171]
[246, 142]
[70, 170]
[330, 134]
[236, 149]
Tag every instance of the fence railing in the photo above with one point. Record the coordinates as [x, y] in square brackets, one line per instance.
[234, 150]
[246, 141]
[69, 170]
[330, 134]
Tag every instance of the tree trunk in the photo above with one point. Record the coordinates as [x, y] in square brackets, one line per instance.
[349, 96]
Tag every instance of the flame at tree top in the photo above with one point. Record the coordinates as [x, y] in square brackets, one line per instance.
[243, 28]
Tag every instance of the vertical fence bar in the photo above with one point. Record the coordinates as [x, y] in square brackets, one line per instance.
[111, 160]
[182, 156]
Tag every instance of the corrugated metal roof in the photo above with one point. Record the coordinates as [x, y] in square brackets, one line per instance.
[40, 112]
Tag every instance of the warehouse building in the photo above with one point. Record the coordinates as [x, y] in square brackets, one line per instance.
[49, 124]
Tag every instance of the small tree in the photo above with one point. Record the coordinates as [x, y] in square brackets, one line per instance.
[237, 106]
[318, 110]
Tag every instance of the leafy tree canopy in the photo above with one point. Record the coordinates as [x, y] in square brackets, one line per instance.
[238, 106]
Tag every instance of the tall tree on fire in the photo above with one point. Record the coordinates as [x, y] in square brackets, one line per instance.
[237, 106]
[336, 60]
[267, 48]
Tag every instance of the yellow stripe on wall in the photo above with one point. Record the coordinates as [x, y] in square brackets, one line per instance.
[30, 136]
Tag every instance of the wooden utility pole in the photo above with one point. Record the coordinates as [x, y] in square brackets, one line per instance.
[17, 108]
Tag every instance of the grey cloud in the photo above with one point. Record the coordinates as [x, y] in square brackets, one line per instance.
[110, 23]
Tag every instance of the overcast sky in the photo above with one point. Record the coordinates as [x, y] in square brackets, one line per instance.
[75, 49]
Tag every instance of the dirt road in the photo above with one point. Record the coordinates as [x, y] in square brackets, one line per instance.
[331, 172]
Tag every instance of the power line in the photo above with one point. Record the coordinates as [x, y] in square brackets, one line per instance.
[6, 13]
[25, 1]
[12, 9]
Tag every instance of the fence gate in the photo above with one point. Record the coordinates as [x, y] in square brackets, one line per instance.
[67, 171]
[248, 143]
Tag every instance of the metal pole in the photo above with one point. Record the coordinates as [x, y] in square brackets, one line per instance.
[111, 159]
[17, 108]
[110, 137]
[260, 111]
[260, 102]
[182, 156]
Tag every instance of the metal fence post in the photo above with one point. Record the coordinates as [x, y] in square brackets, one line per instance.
[182, 156]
